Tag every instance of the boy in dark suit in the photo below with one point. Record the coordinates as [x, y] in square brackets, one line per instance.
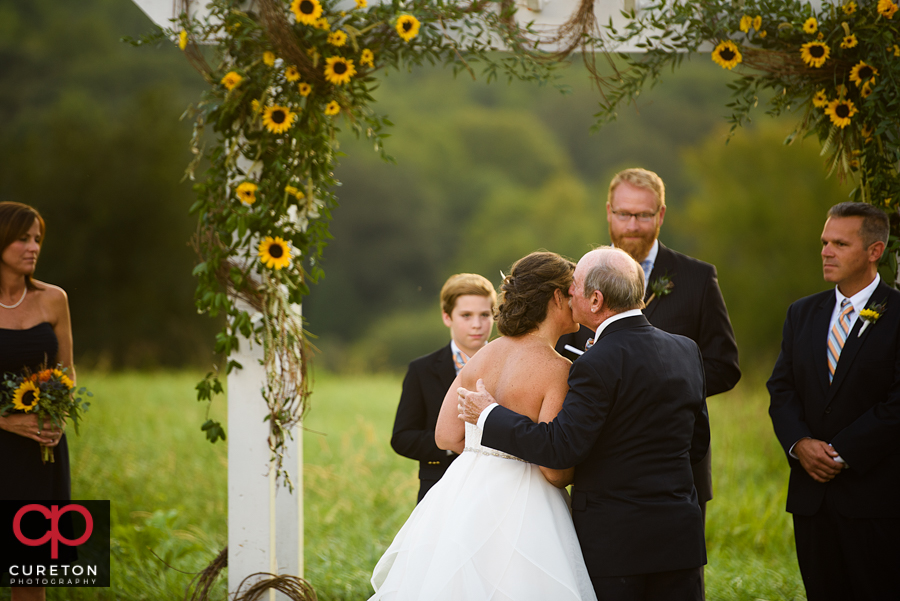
[468, 301]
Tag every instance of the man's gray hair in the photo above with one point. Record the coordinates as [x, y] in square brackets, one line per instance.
[619, 278]
[875, 226]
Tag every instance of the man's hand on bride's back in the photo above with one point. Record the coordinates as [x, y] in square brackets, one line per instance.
[472, 403]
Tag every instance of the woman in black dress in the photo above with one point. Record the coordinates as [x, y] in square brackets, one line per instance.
[35, 331]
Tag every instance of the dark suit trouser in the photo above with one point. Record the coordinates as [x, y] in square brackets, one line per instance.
[677, 585]
[846, 559]
[424, 487]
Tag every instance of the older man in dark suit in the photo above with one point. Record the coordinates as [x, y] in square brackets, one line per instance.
[835, 406]
[682, 294]
[632, 422]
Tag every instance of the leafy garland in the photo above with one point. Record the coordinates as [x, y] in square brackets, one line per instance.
[288, 73]
[839, 69]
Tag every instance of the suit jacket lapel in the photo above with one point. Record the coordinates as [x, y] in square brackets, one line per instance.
[663, 265]
[853, 344]
[820, 341]
[443, 367]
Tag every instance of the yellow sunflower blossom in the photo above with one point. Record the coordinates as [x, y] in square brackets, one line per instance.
[62, 377]
[407, 27]
[811, 25]
[337, 38]
[269, 58]
[746, 23]
[332, 108]
[339, 70]
[849, 8]
[763, 33]
[862, 73]
[274, 253]
[726, 55]
[814, 54]
[295, 192]
[292, 74]
[367, 58]
[182, 39]
[896, 50]
[278, 119]
[255, 105]
[361, 4]
[246, 192]
[323, 24]
[26, 396]
[231, 80]
[886, 8]
[841, 112]
[866, 90]
[866, 132]
[307, 12]
[820, 99]
[304, 89]
[757, 22]
[849, 41]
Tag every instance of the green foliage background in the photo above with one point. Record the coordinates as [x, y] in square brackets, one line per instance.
[484, 174]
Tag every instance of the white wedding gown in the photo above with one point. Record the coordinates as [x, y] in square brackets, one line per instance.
[493, 529]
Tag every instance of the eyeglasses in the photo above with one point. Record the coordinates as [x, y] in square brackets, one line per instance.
[642, 217]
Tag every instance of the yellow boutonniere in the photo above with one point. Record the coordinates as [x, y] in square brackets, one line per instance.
[870, 315]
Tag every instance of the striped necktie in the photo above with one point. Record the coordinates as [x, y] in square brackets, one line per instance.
[838, 336]
[459, 360]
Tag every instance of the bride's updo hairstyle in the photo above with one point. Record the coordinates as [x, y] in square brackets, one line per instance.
[527, 290]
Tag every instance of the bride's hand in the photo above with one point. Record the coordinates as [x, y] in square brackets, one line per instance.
[472, 403]
[27, 426]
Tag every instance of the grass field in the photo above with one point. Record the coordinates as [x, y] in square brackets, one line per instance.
[141, 447]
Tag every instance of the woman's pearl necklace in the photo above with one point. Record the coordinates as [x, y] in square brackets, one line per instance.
[18, 303]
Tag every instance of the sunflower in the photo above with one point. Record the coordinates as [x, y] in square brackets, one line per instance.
[26, 396]
[840, 112]
[757, 22]
[182, 39]
[332, 108]
[274, 253]
[295, 192]
[323, 24]
[866, 90]
[886, 9]
[726, 55]
[820, 99]
[867, 131]
[849, 8]
[746, 23]
[246, 192]
[304, 89]
[763, 34]
[291, 73]
[306, 11]
[810, 25]
[231, 80]
[339, 70]
[278, 119]
[896, 50]
[255, 105]
[849, 41]
[62, 377]
[337, 38]
[862, 73]
[407, 27]
[367, 58]
[814, 54]
[269, 58]
[361, 4]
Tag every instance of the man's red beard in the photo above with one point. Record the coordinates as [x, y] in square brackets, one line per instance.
[638, 248]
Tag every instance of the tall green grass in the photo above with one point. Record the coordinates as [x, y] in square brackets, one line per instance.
[141, 447]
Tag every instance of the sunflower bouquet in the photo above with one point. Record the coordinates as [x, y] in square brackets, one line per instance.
[49, 394]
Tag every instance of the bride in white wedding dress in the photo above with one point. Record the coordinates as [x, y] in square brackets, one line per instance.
[496, 528]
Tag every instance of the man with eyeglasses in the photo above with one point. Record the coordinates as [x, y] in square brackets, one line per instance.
[681, 294]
